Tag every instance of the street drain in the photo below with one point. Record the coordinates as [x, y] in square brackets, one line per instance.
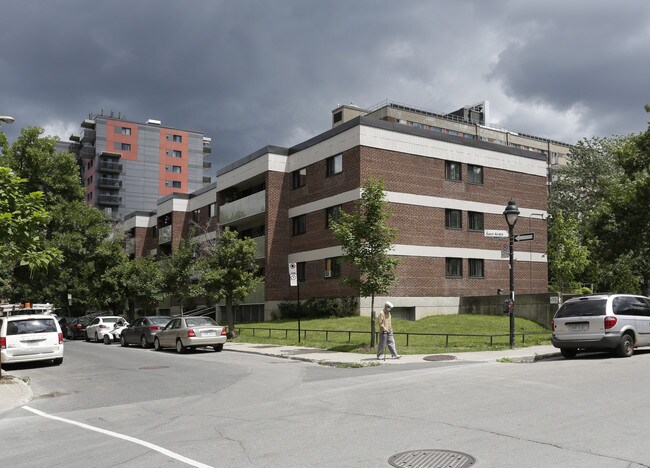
[431, 459]
[439, 357]
[153, 367]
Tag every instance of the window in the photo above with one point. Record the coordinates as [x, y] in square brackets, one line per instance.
[173, 183]
[125, 146]
[175, 169]
[123, 130]
[452, 170]
[332, 214]
[453, 219]
[338, 117]
[299, 225]
[454, 267]
[196, 215]
[474, 174]
[212, 210]
[300, 270]
[177, 138]
[475, 221]
[154, 232]
[334, 165]
[476, 268]
[299, 178]
[332, 267]
[174, 153]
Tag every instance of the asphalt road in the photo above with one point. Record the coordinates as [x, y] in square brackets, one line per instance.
[109, 406]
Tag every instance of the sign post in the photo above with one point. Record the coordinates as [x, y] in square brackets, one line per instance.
[293, 281]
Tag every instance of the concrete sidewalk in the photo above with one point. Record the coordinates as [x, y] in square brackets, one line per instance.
[14, 392]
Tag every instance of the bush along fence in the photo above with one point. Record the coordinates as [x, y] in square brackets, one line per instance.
[406, 337]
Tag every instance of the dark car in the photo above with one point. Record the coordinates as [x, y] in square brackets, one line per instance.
[76, 328]
[64, 322]
[143, 330]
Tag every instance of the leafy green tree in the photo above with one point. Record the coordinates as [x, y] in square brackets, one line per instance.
[229, 272]
[567, 256]
[22, 222]
[367, 238]
[182, 271]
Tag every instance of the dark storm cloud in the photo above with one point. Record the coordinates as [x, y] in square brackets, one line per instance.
[251, 73]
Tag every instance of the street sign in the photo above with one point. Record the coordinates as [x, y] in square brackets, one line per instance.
[505, 251]
[496, 233]
[525, 237]
[293, 274]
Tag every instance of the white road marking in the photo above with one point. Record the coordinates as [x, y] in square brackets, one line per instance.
[151, 446]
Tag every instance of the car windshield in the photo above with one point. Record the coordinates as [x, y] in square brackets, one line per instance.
[83, 321]
[200, 321]
[582, 308]
[160, 320]
[23, 327]
[110, 319]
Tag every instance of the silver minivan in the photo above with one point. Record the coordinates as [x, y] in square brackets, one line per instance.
[619, 322]
[29, 338]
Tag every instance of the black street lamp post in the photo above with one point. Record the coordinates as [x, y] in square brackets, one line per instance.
[511, 213]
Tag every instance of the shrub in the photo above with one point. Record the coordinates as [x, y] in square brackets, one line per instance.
[319, 308]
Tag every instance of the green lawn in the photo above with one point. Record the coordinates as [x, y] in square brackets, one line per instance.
[338, 340]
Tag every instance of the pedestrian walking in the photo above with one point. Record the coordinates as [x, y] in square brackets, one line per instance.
[386, 332]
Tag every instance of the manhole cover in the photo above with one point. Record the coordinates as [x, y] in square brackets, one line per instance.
[153, 367]
[431, 459]
[439, 357]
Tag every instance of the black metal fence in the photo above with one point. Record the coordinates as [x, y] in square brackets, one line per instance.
[408, 335]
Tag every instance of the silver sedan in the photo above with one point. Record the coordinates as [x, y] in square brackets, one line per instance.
[185, 333]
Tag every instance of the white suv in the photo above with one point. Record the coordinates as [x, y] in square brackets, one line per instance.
[619, 322]
[29, 338]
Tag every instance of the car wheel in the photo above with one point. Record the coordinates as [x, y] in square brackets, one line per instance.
[58, 361]
[107, 339]
[569, 353]
[143, 342]
[156, 345]
[626, 347]
[180, 348]
[123, 341]
[218, 347]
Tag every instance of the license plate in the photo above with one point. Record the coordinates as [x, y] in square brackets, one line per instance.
[578, 326]
[209, 333]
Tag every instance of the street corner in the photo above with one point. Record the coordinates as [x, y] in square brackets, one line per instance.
[13, 393]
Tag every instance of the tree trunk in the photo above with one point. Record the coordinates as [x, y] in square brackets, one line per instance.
[372, 321]
[232, 333]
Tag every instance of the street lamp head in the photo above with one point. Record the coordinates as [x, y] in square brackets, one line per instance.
[511, 213]
[6, 119]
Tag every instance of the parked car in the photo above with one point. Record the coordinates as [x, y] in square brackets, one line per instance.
[185, 333]
[29, 338]
[99, 326]
[115, 333]
[619, 322]
[143, 330]
[77, 328]
[64, 322]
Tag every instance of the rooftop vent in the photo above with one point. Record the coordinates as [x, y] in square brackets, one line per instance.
[154, 122]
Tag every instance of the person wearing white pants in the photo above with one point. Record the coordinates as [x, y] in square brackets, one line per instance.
[386, 332]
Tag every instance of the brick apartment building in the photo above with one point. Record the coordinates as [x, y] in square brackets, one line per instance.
[127, 166]
[447, 177]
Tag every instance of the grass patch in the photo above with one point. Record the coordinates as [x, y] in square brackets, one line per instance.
[334, 334]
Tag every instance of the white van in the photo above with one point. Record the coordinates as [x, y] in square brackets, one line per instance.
[29, 338]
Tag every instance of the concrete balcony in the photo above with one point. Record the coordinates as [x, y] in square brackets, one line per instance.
[243, 208]
[110, 167]
[88, 136]
[107, 183]
[165, 234]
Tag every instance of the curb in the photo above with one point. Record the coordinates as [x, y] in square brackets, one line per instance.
[14, 394]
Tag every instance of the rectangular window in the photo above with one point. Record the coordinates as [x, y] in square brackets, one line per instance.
[196, 215]
[332, 267]
[123, 130]
[300, 270]
[299, 225]
[454, 267]
[174, 153]
[177, 138]
[125, 146]
[475, 221]
[334, 165]
[175, 169]
[173, 183]
[154, 232]
[453, 219]
[212, 210]
[476, 268]
[452, 170]
[474, 174]
[331, 214]
[299, 178]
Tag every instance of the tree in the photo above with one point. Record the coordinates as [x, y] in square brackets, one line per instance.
[182, 270]
[22, 222]
[366, 239]
[230, 272]
[567, 257]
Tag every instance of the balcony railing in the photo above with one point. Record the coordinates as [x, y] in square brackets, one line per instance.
[110, 167]
[106, 199]
[88, 136]
[246, 207]
[107, 183]
[207, 165]
[164, 234]
[87, 152]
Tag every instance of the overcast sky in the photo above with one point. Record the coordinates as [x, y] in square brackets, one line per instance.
[252, 73]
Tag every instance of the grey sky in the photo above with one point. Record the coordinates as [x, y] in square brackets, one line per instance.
[250, 73]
